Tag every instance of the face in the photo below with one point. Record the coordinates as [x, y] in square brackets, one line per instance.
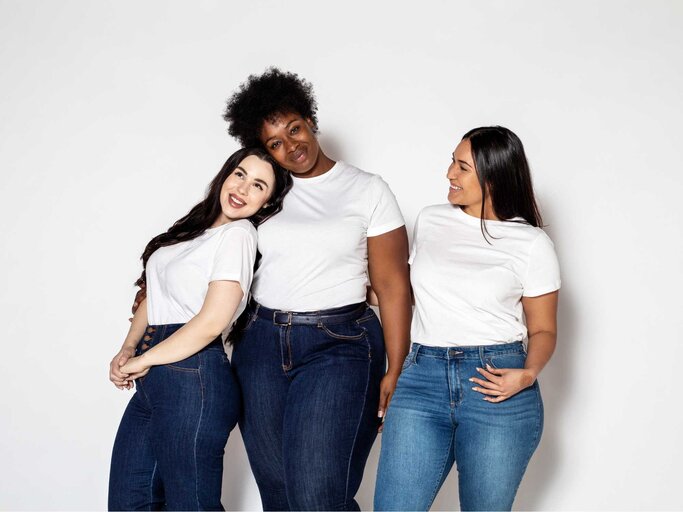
[290, 140]
[246, 190]
[464, 189]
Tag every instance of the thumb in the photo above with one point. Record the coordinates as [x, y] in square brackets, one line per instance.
[383, 399]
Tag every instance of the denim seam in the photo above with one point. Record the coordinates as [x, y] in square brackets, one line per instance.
[181, 369]
[537, 435]
[437, 485]
[360, 419]
[151, 483]
[196, 436]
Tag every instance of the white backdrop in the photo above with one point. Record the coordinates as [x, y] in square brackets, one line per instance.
[110, 128]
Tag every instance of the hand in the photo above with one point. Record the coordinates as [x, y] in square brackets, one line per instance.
[118, 377]
[135, 368]
[386, 391]
[501, 384]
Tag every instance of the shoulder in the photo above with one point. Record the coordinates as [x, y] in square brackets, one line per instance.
[435, 212]
[239, 229]
[359, 176]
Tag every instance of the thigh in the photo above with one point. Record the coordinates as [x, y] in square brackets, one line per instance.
[258, 363]
[132, 482]
[190, 426]
[494, 443]
[418, 438]
[331, 421]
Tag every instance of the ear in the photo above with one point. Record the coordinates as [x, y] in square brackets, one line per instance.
[310, 124]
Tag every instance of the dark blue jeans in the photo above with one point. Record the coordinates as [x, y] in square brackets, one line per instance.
[168, 452]
[436, 419]
[310, 395]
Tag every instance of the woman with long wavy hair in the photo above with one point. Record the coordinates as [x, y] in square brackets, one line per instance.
[168, 452]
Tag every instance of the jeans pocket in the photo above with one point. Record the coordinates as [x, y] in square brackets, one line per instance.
[512, 360]
[408, 361]
[349, 331]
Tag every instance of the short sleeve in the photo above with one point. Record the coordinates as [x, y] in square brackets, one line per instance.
[413, 245]
[543, 271]
[235, 256]
[385, 215]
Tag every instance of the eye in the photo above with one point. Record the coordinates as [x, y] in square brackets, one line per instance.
[275, 144]
[294, 130]
[258, 186]
[239, 174]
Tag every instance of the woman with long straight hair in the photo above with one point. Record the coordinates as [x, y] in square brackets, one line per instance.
[168, 452]
[310, 359]
[485, 279]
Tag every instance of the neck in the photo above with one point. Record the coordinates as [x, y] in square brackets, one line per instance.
[475, 211]
[322, 164]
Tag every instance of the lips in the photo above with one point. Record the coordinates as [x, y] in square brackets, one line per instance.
[299, 155]
[235, 201]
[455, 188]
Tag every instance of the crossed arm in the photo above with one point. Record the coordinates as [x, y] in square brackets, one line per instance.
[220, 304]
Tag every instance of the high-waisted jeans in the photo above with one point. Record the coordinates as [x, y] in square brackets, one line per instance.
[310, 385]
[168, 452]
[436, 419]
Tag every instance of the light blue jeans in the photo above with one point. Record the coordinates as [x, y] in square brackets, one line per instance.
[436, 419]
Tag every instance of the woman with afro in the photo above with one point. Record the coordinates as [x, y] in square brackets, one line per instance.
[310, 356]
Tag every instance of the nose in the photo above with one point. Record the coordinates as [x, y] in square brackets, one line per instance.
[243, 188]
[290, 144]
[452, 172]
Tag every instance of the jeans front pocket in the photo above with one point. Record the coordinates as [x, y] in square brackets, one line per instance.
[349, 331]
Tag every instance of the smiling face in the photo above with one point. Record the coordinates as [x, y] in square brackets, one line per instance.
[246, 190]
[291, 141]
[464, 189]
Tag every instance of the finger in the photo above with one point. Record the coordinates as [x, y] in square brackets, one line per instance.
[489, 376]
[382, 404]
[485, 383]
[496, 371]
[496, 399]
[485, 391]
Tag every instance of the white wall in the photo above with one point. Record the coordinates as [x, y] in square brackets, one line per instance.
[110, 128]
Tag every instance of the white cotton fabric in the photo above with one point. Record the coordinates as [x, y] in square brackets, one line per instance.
[314, 252]
[467, 291]
[178, 276]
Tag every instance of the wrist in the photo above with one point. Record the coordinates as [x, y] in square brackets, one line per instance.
[531, 374]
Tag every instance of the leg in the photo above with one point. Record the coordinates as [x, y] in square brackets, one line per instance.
[258, 363]
[418, 439]
[495, 441]
[133, 479]
[196, 404]
[331, 415]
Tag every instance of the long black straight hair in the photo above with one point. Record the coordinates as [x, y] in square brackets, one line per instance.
[204, 214]
[504, 175]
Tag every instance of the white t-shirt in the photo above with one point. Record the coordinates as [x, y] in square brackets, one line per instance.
[178, 276]
[315, 252]
[468, 292]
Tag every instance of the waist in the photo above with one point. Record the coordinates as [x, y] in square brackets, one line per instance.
[324, 316]
[467, 352]
[155, 334]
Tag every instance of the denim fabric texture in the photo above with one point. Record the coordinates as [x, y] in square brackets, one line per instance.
[436, 419]
[310, 394]
[168, 453]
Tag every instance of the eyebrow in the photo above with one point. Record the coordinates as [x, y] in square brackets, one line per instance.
[286, 126]
[255, 179]
[461, 161]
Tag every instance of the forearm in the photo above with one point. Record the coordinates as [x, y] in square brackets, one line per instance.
[395, 310]
[185, 342]
[539, 350]
[137, 326]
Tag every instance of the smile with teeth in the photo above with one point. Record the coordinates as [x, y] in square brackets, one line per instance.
[455, 187]
[235, 201]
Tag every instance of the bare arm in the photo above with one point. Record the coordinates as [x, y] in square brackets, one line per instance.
[389, 277]
[220, 304]
[135, 332]
[541, 319]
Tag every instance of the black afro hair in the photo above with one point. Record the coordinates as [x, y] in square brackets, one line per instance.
[264, 97]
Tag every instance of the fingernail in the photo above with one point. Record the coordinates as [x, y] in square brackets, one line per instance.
[478, 369]
[474, 389]
[471, 380]
[380, 414]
